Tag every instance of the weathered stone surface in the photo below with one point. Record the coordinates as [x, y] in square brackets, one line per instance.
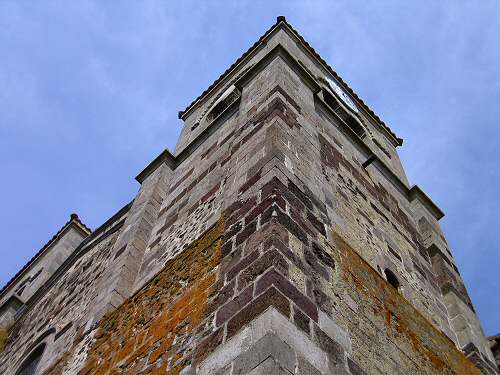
[158, 328]
[262, 246]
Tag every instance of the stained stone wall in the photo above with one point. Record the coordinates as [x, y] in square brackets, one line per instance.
[60, 317]
[262, 246]
[39, 269]
[157, 330]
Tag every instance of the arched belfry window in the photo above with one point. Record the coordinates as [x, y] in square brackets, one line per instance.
[392, 279]
[30, 364]
[223, 102]
[348, 117]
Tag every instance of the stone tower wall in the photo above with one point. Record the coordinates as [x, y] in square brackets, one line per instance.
[261, 247]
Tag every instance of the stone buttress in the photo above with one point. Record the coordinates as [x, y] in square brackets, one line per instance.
[282, 237]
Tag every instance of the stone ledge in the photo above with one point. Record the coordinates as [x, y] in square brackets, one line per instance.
[416, 193]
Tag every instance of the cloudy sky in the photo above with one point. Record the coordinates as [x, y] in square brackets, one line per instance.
[90, 93]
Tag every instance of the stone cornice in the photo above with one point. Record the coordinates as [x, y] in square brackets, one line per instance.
[416, 193]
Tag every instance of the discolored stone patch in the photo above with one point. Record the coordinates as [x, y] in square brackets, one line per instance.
[157, 330]
[401, 321]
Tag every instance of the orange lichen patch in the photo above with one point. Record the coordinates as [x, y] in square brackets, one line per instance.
[402, 327]
[403, 323]
[155, 331]
[4, 336]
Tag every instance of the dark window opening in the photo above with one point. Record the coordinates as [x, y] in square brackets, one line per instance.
[355, 126]
[30, 364]
[393, 252]
[391, 278]
[220, 107]
[343, 114]
[330, 100]
[33, 278]
[21, 290]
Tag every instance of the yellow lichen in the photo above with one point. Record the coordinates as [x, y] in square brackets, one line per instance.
[147, 328]
[402, 321]
[4, 337]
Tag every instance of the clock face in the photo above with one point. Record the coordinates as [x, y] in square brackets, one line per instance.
[342, 95]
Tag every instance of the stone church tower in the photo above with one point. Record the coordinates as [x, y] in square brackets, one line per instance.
[281, 237]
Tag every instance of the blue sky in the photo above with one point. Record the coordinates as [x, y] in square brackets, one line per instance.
[90, 93]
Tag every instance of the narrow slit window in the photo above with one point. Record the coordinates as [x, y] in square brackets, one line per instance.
[392, 279]
[343, 114]
[30, 364]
